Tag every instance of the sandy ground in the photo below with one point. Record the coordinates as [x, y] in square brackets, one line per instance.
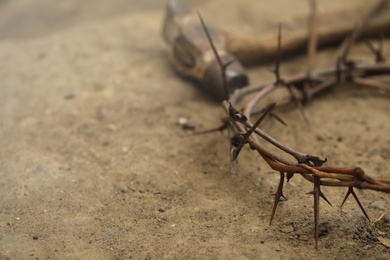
[94, 166]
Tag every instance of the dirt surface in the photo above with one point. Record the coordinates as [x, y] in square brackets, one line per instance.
[93, 164]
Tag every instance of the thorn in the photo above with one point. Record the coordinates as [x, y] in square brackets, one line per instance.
[252, 129]
[346, 196]
[313, 37]
[278, 194]
[206, 131]
[316, 192]
[351, 191]
[376, 51]
[282, 196]
[278, 56]
[219, 60]
[323, 196]
[338, 70]
[278, 118]
[380, 47]
[211, 41]
[289, 176]
[299, 105]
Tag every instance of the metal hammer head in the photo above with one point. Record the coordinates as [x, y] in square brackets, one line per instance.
[191, 54]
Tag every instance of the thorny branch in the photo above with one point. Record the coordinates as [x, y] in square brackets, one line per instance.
[310, 83]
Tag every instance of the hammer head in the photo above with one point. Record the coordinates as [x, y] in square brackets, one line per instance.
[191, 54]
[235, 77]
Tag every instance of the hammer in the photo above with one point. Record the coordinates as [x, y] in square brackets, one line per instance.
[192, 56]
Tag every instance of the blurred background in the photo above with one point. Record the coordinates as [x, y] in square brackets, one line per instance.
[20, 19]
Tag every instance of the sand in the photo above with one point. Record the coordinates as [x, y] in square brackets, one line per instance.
[93, 164]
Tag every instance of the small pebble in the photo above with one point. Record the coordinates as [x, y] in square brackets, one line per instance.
[35, 237]
[287, 229]
[69, 96]
[112, 127]
[182, 121]
[378, 205]
[304, 238]
[185, 123]
[162, 208]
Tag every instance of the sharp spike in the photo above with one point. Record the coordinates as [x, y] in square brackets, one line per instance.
[211, 130]
[278, 118]
[299, 105]
[351, 191]
[323, 196]
[316, 192]
[278, 194]
[252, 129]
[219, 60]
[278, 56]
[289, 176]
[346, 196]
